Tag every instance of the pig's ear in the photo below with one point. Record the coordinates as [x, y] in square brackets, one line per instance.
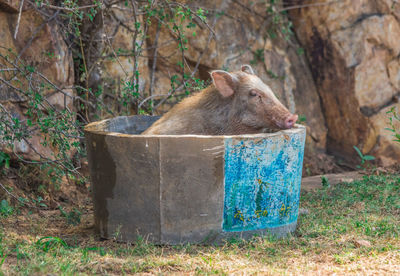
[247, 68]
[224, 82]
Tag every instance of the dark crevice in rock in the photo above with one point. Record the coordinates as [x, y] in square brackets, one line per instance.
[364, 16]
[359, 20]
[370, 111]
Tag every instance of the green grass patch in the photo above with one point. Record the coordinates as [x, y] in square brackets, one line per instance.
[326, 240]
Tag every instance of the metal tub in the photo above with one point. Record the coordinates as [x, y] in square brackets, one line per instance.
[175, 189]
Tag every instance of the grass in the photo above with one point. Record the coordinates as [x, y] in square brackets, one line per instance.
[350, 228]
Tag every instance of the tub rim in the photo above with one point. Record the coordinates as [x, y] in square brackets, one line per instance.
[98, 128]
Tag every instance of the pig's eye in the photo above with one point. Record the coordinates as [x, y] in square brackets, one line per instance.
[253, 93]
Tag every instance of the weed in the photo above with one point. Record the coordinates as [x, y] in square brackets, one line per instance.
[281, 25]
[325, 181]
[47, 243]
[394, 117]
[300, 51]
[363, 157]
[39, 202]
[4, 160]
[302, 119]
[73, 217]
[5, 208]
[258, 56]
[3, 257]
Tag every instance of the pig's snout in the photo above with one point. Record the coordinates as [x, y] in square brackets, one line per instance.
[290, 121]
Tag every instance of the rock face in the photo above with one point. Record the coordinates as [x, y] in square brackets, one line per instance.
[42, 47]
[353, 49]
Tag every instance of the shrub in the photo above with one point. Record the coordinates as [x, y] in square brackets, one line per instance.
[61, 128]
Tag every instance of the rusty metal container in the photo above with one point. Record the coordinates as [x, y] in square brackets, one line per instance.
[175, 189]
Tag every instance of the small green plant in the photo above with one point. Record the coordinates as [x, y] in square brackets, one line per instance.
[258, 56]
[363, 157]
[281, 25]
[3, 257]
[302, 119]
[325, 182]
[300, 51]
[73, 217]
[46, 243]
[4, 160]
[394, 117]
[5, 208]
[39, 202]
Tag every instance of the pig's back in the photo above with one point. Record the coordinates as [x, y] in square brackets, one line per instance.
[183, 118]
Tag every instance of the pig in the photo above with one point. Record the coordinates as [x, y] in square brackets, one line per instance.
[235, 103]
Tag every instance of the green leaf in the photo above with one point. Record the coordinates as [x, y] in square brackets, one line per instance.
[359, 152]
[30, 69]
[46, 243]
[390, 129]
[369, 157]
[5, 208]
[325, 181]
[4, 160]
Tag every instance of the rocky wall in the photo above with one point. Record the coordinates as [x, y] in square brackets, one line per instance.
[353, 50]
[40, 45]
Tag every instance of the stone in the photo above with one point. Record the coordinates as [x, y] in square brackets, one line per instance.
[362, 243]
[394, 73]
[304, 211]
[352, 48]
[312, 183]
[368, 46]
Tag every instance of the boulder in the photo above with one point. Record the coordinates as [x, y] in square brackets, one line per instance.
[352, 48]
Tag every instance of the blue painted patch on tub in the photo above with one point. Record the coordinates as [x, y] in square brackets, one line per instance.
[262, 181]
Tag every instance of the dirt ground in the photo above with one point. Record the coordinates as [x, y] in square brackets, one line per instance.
[329, 239]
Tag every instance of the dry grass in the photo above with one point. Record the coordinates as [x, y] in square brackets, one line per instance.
[327, 241]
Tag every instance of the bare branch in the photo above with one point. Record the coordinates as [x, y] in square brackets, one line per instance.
[153, 69]
[19, 19]
[308, 5]
[211, 29]
[210, 36]
[68, 9]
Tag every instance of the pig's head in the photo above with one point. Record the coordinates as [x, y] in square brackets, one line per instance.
[254, 105]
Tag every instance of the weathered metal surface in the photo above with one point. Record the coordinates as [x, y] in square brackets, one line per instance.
[192, 188]
[262, 181]
[125, 184]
